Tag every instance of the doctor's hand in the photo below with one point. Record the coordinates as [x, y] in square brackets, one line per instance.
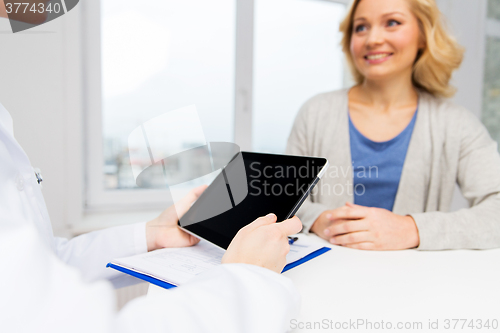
[367, 228]
[263, 243]
[163, 231]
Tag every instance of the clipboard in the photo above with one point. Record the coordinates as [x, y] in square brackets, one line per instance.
[167, 285]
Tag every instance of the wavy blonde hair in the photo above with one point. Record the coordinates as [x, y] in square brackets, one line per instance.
[434, 64]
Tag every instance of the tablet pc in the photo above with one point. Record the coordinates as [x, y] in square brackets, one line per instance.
[250, 186]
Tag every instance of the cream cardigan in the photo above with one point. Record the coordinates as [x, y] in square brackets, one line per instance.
[449, 145]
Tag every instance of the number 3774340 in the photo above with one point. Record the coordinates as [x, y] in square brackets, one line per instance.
[26, 7]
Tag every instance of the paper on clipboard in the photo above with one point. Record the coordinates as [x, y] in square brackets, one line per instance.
[178, 265]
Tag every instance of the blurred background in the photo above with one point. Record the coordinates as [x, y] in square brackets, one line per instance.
[79, 85]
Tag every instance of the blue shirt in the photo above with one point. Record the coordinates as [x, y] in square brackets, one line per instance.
[377, 166]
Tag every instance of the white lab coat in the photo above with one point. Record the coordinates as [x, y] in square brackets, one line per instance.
[20, 195]
[52, 284]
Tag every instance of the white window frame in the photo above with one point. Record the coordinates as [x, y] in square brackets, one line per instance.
[96, 197]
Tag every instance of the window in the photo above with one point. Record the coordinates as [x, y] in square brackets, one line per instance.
[158, 57]
[297, 55]
[222, 56]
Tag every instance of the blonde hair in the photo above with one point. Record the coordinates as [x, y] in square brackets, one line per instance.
[434, 64]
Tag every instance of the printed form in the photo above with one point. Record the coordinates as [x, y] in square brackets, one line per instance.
[179, 265]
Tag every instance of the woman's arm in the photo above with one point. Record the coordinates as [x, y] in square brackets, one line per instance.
[478, 176]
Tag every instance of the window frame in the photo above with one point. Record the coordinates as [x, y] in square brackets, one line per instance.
[97, 198]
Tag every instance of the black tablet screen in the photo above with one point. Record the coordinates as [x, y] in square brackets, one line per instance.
[250, 186]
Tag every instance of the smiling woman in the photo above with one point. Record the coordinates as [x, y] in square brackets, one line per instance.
[395, 119]
[438, 53]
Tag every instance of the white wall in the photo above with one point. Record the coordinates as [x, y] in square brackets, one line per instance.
[41, 86]
[467, 20]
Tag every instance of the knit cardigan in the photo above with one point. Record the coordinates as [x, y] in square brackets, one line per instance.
[449, 145]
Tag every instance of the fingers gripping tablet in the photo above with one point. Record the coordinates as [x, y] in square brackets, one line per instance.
[250, 186]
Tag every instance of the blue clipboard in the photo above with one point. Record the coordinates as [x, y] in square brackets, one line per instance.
[166, 285]
[142, 276]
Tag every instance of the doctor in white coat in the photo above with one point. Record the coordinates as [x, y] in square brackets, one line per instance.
[51, 284]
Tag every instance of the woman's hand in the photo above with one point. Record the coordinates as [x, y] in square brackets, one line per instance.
[367, 228]
[163, 230]
[324, 221]
[263, 243]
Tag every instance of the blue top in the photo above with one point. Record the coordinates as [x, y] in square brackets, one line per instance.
[377, 166]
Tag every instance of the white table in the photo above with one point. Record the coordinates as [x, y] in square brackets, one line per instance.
[400, 287]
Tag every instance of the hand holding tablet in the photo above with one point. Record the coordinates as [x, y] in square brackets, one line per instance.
[252, 185]
[263, 243]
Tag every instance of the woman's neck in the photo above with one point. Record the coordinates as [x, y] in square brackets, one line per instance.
[385, 95]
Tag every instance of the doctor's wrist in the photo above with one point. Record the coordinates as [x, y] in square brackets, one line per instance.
[150, 239]
[151, 234]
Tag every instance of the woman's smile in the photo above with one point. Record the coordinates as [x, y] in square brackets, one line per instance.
[374, 58]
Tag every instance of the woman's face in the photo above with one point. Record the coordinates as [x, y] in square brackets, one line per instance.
[385, 39]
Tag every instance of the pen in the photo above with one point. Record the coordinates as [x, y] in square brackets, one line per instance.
[292, 240]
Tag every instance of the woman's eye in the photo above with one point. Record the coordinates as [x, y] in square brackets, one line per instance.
[393, 23]
[359, 28]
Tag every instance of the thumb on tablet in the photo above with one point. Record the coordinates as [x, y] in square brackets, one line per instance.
[290, 226]
[261, 221]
